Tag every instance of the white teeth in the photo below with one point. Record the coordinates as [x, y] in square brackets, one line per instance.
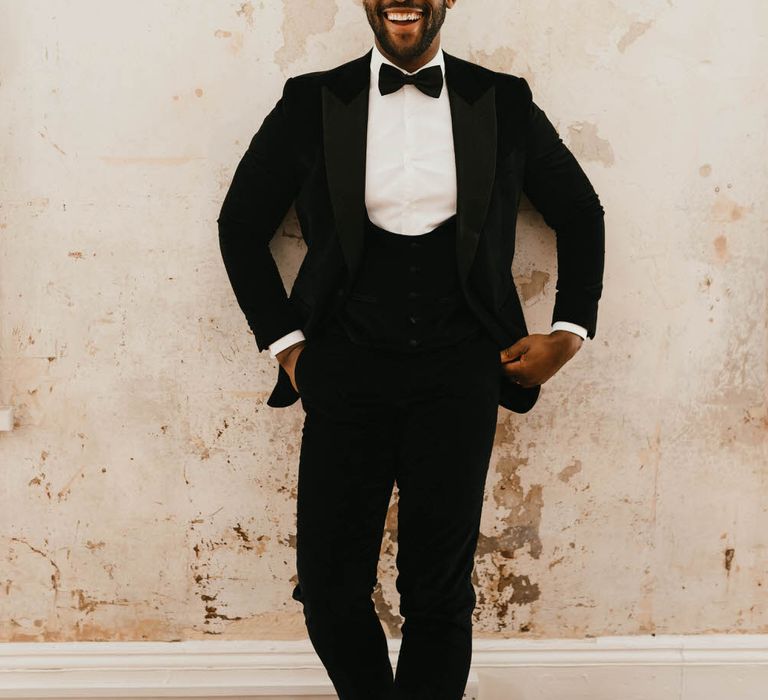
[403, 15]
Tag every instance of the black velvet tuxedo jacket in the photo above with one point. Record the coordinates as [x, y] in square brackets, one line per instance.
[310, 151]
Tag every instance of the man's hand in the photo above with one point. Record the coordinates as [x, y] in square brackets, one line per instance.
[534, 359]
[287, 359]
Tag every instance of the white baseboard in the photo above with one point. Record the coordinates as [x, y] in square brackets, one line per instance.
[703, 667]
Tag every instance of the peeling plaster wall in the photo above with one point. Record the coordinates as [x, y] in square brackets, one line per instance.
[149, 492]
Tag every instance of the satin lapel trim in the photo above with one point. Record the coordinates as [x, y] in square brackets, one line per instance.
[473, 113]
[345, 133]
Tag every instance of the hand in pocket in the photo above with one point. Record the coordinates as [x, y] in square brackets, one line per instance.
[289, 359]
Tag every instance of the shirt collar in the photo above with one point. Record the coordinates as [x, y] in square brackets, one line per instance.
[377, 58]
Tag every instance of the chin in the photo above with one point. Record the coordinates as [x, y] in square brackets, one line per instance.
[402, 49]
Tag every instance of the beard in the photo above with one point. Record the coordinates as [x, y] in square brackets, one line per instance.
[432, 24]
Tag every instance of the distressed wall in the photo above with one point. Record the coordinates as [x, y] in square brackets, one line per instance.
[149, 492]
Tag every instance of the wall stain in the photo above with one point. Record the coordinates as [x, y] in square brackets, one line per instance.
[721, 249]
[504, 586]
[635, 31]
[555, 562]
[87, 604]
[391, 620]
[565, 474]
[39, 479]
[587, 145]
[728, 210]
[199, 447]
[223, 176]
[63, 493]
[524, 592]
[533, 285]
[220, 431]
[55, 576]
[729, 558]
[236, 39]
[212, 612]
[270, 625]
[38, 204]
[208, 566]
[242, 534]
[389, 617]
[141, 629]
[260, 545]
[246, 11]
[525, 509]
[54, 145]
[501, 59]
[303, 19]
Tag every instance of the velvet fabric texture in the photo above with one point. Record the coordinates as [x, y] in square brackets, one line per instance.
[310, 151]
[425, 422]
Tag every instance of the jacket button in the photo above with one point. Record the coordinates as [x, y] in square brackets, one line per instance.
[413, 342]
[413, 319]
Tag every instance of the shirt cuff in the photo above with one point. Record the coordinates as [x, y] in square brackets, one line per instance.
[572, 327]
[285, 342]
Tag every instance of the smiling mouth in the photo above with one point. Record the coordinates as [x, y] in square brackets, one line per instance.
[403, 17]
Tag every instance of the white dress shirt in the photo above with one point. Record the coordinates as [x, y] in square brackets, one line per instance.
[410, 171]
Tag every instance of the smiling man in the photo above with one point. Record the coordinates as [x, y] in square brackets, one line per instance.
[403, 332]
[407, 34]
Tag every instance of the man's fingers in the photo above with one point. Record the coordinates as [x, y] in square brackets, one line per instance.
[511, 360]
[514, 351]
[520, 372]
[512, 371]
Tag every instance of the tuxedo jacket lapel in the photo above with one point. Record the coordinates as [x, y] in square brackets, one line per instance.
[345, 128]
[473, 115]
[345, 132]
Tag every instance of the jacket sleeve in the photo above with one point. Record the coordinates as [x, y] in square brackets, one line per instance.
[559, 189]
[265, 183]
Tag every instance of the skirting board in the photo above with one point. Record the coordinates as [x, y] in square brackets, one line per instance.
[662, 667]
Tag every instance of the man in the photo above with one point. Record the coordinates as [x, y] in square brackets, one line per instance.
[403, 332]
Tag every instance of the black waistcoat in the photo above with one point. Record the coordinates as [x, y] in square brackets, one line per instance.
[406, 296]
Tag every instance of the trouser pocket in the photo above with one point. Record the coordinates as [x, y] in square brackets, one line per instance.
[298, 370]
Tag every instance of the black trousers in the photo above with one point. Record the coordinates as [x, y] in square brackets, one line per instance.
[374, 418]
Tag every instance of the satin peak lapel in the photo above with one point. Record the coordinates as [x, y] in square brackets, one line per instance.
[473, 112]
[345, 131]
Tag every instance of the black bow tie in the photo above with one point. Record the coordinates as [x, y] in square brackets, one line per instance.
[428, 80]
